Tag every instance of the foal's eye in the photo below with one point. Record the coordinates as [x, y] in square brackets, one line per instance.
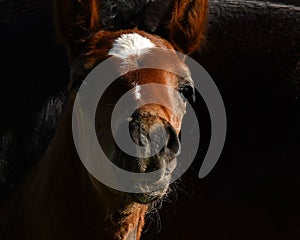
[188, 92]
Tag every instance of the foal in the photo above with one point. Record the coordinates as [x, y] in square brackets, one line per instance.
[61, 199]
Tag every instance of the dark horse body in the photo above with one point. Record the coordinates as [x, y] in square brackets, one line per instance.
[60, 199]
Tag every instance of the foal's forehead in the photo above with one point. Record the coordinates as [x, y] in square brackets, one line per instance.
[137, 50]
[130, 44]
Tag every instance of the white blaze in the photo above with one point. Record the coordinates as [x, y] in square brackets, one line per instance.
[137, 92]
[127, 45]
[130, 44]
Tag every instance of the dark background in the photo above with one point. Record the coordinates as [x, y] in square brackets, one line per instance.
[252, 51]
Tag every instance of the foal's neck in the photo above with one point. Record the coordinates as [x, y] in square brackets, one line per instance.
[59, 201]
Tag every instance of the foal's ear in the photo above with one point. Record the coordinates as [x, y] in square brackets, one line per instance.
[76, 20]
[184, 26]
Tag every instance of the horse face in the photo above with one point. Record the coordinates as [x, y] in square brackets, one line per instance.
[152, 124]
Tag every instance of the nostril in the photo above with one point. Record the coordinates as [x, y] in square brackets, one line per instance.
[164, 135]
[158, 134]
[173, 141]
[158, 137]
[154, 165]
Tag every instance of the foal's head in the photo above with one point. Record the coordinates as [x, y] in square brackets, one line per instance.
[153, 126]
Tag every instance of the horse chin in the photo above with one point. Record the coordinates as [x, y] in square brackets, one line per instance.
[145, 197]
